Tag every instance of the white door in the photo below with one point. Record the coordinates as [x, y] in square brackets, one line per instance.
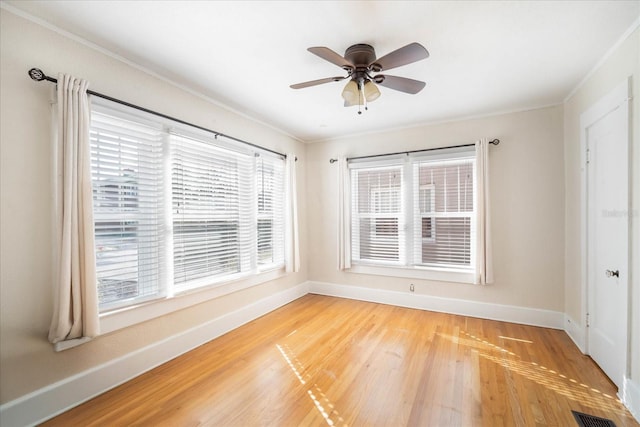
[607, 144]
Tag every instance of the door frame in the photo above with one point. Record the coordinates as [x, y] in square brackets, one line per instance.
[616, 98]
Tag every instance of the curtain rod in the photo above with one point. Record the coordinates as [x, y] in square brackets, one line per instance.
[38, 75]
[494, 142]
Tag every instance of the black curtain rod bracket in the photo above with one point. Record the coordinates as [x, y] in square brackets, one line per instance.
[38, 75]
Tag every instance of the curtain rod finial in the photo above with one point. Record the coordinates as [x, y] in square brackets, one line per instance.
[495, 141]
[36, 74]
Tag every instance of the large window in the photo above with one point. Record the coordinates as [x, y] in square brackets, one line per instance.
[415, 212]
[175, 211]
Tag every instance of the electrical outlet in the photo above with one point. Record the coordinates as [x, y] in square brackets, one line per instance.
[411, 287]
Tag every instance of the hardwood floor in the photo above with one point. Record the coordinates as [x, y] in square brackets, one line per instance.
[330, 361]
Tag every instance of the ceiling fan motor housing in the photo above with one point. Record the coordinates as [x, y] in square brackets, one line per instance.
[360, 55]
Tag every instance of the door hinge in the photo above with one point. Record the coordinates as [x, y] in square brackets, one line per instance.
[588, 156]
[587, 320]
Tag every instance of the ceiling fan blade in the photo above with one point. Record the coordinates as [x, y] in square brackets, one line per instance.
[405, 55]
[402, 84]
[329, 55]
[317, 82]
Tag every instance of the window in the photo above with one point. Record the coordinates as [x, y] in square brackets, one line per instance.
[270, 225]
[210, 239]
[377, 214]
[444, 193]
[414, 212]
[127, 207]
[175, 211]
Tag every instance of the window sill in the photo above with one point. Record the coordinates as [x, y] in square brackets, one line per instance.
[121, 318]
[436, 274]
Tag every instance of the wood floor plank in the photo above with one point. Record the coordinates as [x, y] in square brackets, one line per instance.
[330, 361]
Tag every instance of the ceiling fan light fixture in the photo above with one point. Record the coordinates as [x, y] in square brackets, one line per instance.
[350, 93]
[357, 101]
[371, 91]
[350, 104]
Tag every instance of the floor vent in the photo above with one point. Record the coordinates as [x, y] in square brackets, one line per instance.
[586, 420]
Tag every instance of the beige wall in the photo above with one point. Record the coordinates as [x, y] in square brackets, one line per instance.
[623, 62]
[27, 360]
[527, 206]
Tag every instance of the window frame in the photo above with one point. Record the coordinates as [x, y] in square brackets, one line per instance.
[410, 210]
[139, 124]
[123, 313]
[278, 222]
[356, 220]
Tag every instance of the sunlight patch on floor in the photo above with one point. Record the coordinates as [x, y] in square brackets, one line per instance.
[319, 399]
[573, 390]
[515, 339]
[556, 381]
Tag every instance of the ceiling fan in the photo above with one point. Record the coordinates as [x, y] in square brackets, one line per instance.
[360, 63]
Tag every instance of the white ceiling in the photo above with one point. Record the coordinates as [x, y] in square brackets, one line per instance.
[485, 56]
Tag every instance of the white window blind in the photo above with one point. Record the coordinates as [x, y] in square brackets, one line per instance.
[212, 210]
[377, 214]
[418, 212]
[443, 196]
[126, 160]
[177, 211]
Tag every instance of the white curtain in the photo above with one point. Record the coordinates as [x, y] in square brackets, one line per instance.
[484, 257]
[75, 296]
[344, 217]
[291, 247]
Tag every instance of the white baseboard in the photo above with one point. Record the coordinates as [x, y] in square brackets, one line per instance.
[56, 398]
[507, 313]
[576, 332]
[630, 396]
